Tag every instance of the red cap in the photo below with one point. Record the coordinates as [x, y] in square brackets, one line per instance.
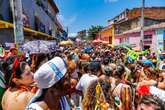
[13, 48]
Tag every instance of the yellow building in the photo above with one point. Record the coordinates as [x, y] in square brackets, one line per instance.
[107, 34]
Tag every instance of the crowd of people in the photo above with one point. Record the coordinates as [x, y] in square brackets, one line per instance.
[83, 77]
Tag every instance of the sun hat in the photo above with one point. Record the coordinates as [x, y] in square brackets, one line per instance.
[50, 73]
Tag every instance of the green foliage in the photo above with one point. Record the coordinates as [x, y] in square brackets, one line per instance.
[93, 31]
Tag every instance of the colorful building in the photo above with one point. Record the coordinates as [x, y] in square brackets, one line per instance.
[160, 35]
[127, 27]
[107, 34]
[39, 20]
[153, 37]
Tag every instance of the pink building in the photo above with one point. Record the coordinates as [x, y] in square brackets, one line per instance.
[132, 37]
[127, 26]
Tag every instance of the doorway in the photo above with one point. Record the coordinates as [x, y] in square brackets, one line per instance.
[146, 47]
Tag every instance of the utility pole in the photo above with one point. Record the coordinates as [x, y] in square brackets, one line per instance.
[113, 34]
[67, 29]
[142, 25]
[16, 6]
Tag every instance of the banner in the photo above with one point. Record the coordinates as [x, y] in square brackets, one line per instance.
[17, 21]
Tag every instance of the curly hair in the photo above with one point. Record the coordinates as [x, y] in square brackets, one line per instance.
[7, 68]
[150, 99]
[90, 99]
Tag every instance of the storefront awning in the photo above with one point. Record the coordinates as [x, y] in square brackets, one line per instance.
[4, 24]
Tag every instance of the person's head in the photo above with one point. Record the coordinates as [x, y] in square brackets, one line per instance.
[150, 103]
[105, 61]
[94, 67]
[119, 72]
[84, 67]
[53, 78]
[70, 57]
[14, 50]
[108, 71]
[17, 73]
[38, 60]
[51, 74]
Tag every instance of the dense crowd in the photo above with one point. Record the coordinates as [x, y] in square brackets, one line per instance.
[83, 77]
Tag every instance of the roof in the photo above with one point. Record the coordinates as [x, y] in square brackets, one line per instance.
[107, 27]
[126, 10]
[53, 4]
[155, 13]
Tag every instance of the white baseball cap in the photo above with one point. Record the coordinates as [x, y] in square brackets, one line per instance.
[50, 73]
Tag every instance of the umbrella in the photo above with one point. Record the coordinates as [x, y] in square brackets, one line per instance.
[163, 53]
[105, 42]
[137, 49]
[68, 42]
[78, 40]
[96, 41]
[39, 46]
[110, 45]
[124, 45]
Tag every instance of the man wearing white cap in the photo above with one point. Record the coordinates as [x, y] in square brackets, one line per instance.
[54, 83]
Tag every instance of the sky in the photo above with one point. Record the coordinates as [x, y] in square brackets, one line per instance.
[77, 15]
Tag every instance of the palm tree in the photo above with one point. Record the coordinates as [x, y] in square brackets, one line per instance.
[93, 31]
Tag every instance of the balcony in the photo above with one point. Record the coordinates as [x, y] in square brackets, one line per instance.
[45, 8]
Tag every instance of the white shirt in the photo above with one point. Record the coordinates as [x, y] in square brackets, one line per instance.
[84, 82]
[34, 106]
[162, 66]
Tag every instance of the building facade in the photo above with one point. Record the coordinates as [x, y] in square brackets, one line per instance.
[154, 36]
[39, 20]
[128, 24]
[131, 19]
[106, 34]
[160, 33]
[82, 34]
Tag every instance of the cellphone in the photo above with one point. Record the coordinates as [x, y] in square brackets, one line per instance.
[117, 100]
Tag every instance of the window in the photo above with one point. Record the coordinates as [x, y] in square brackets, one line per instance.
[38, 2]
[146, 47]
[127, 40]
[148, 37]
[1, 17]
[39, 26]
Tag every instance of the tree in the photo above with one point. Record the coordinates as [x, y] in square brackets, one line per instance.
[93, 31]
